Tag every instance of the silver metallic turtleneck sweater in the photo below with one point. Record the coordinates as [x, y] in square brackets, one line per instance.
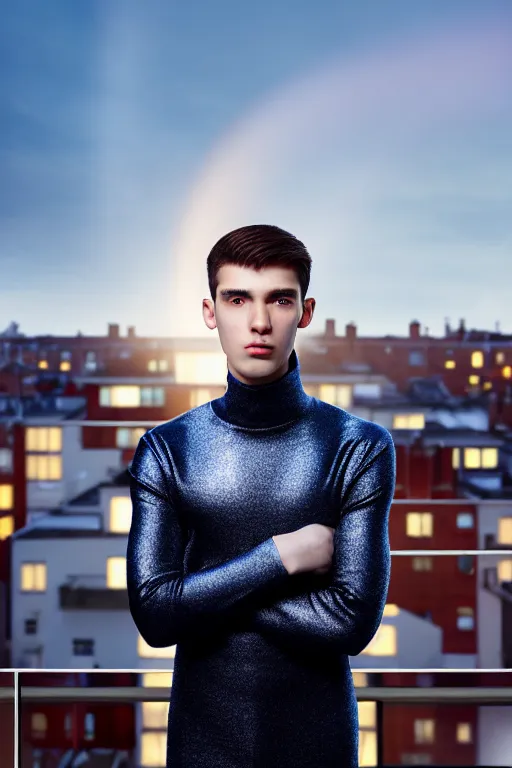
[261, 671]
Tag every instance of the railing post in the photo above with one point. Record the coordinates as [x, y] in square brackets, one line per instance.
[380, 732]
[17, 720]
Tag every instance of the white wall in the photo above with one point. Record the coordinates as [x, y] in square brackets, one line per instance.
[494, 735]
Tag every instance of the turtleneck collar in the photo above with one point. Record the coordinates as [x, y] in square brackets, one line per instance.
[259, 406]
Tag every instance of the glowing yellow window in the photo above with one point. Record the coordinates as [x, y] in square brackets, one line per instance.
[408, 421]
[65, 365]
[146, 651]
[505, 570]
[154, 714]
[44, 439]
[507, 371]
[419, 524]
[42, 364]
[153, 747]
[43, 467]
[33, 577]
[477, 359]
[489, 458]
[472, 458]
[120, 514]
[116, 572]
[474, 379]
[157, 679]
[199, 397]
[500, 358]
[424, 731]
[455, 458]
[464, 733]
[200, 368]
[505, 530]
[383, 642]
[450, 364]
[6, 526]
[39, 724]
[6, 496]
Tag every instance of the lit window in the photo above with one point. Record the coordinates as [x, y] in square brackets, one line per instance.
[465, 520]
[367, 717]
[42, 364]
[383, 642]
[6, 497]
[153, 748]
[6, 526]
[116, 572]
[158, 365]
[390, 609]
[128, 437]
[154, 714]
[419, 524]
[465, 618]
[43, 468]
[505, 530]
[500, 358]
[123, 396]
[145, 651]
[424, 731]
[360, 679]
[422, 563]
[505, 570]
[450, 364]
[464, 733]
[65, 365]
[336, 394]
[474, 380]
[455, 458]
[157, 679]
[120, 514]
[487, 385]
[507, 371]
[480, 458]
[199, 397]
[408, 421]
[33, 577]
[477, 360]
[44, 439]
[200, 368]
[39, 725]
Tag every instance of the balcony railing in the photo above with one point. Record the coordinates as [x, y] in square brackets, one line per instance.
[133, 694]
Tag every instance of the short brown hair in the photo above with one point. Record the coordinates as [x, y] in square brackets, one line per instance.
[257, 246]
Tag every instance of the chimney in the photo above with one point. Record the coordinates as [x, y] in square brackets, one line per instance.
[330, 330]
[414, 330]
[130, 332]
[447, 329]
[351, 331]
[113, 330]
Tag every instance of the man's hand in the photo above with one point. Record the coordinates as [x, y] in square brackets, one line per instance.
[308, 549]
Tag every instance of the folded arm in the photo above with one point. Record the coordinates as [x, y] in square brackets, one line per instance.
[346, 613]
[167, 606]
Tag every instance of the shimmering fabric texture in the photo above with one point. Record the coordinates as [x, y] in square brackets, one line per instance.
[261, 673]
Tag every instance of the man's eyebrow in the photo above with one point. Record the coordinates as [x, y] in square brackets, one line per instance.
[228, 293]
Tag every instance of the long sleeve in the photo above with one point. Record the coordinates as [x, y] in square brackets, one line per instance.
[345, 615]
[168, 607]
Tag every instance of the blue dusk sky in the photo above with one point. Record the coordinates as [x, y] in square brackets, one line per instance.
[134, 134]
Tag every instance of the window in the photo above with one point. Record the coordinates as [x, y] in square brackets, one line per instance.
[477, 359]
[474, 380]
[153, 746]
[419, 524]
[505, 530]
[507, 372]
[383, 642]
[6, 496]
[116, 573]
[89, 734]
[157, 679]
[449, 364]
[476, 458]
[390, 609]
[39, 725]
[43, 365]
[131, 396]
[128, 437]
[465, 520]
[464, 733]
[408, 421]
[158, 365]
[367, 717]
[466, 564]
[416, 758]
[200, 368]
[199, 397]
[505, 570]
[31, 626]
[500, 358]
[6, 526]
[416, 358]
[33, 577]
[369, 391]
[465, 618]
[422, 563]
[90, 361]
[83, 647]
[43, 460]
[336, 394]
[65, 365]
[145, 651]
[5, 460]
[424, 731]
[154, 714]
[120, 514]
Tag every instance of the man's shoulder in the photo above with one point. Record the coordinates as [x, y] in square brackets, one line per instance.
[351, 427]
[175, 429]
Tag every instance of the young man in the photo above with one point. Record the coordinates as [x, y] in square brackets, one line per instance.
[259, 537]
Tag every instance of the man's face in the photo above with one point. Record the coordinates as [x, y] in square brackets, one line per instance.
[257, 306]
